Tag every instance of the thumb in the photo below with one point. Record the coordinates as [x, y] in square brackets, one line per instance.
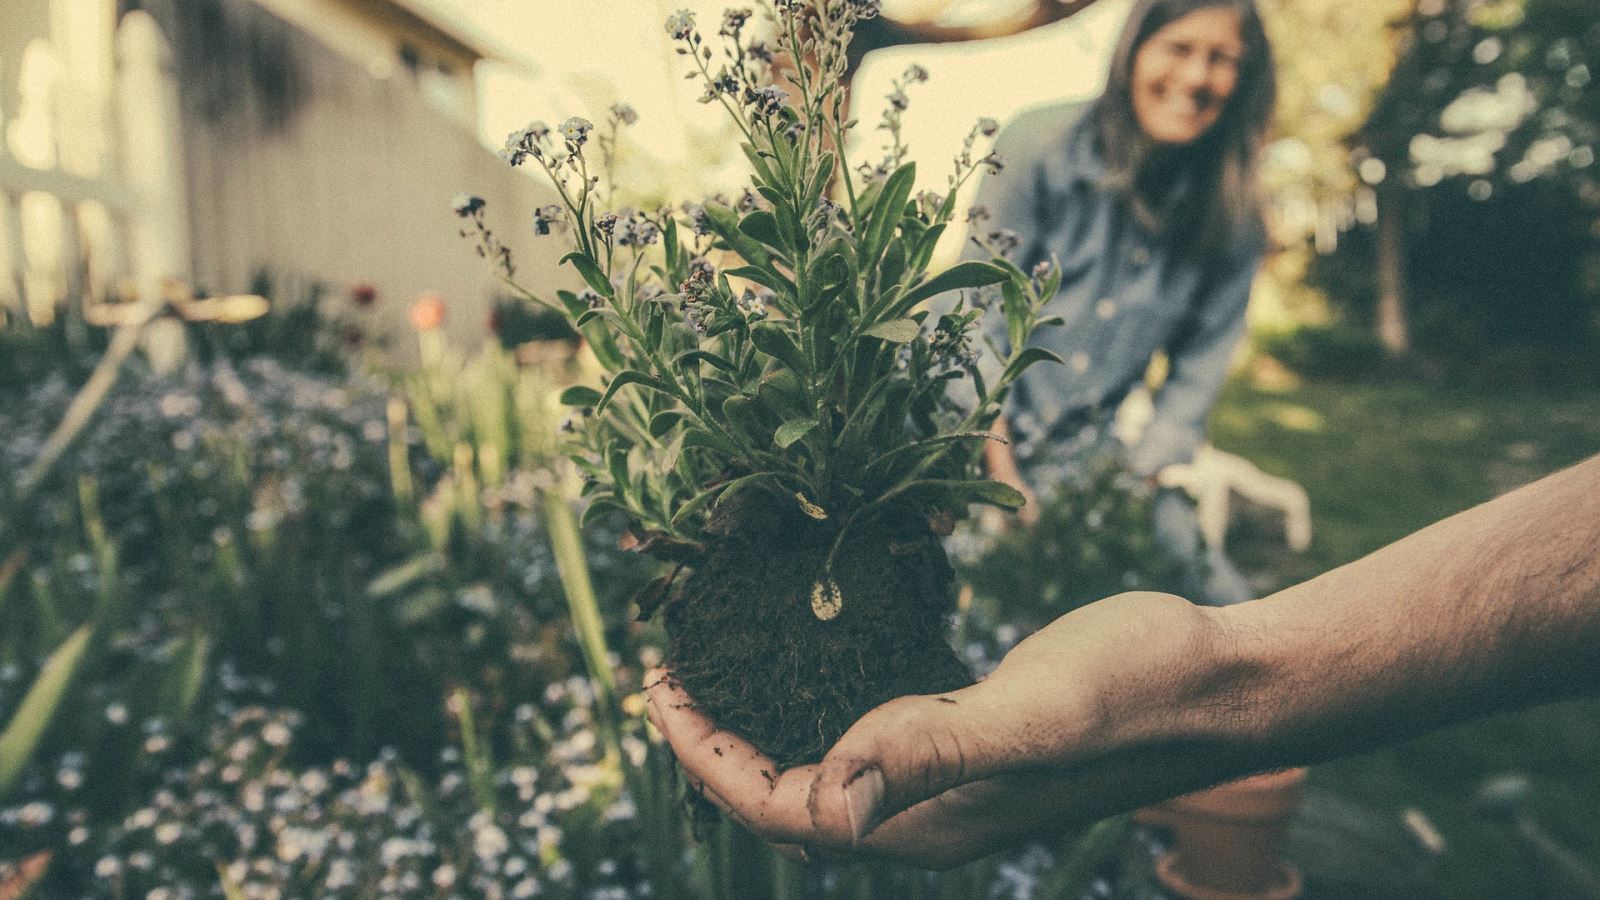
[902, 753]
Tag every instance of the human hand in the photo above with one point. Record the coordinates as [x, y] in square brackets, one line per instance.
[1069, 728]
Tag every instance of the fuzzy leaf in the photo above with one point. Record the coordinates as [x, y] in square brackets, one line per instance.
[580, 395]
[895, 331]
[773, 340]
[590, 271]
[692, 356]
[631, 376]
[764, 277]
[1026, 358]
[668, 460]
[789, 432]
[669, 244]
[763, 226]
[962, 491]
[886, 463]
[924, 248]
[970, 274]
[890, 207]
[663, 422]
[725, 222]
[758, 161]
[744, 413]
[599, 505]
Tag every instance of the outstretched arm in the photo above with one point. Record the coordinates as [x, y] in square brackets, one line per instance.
[1144, 696]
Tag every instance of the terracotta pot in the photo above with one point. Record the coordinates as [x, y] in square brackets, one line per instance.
[1227, 839]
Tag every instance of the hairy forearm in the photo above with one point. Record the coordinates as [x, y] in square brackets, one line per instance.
[1493, 608]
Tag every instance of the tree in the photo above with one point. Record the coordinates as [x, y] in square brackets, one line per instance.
[1490, 99]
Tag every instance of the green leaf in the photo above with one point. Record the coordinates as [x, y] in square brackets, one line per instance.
[718, 492]
[393, 580]
[696, 503]
[954, 491]
[885, 464]
[726, 324]
[185, 678]
[819, 181]
[781, 393]
[669, 244]
[580, 395]
[632, 376]
[740, 485]
[599, 505]
[893, 265]
[890, 207]
[789, 432]
[27, 726]
[668, 460]
[764, 277]
[925, 245]
[772, 339]
[895, 331]
[1025, 359]
[590, 270]
[758, 162]
[663, 422]
[970, 274]
[603, 313]
[725, 222]
[692, 356]
[763, 226]
[744, 413]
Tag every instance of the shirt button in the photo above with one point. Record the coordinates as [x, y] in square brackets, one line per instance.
[1139, 257]
[1079, 362]
[1106, 308]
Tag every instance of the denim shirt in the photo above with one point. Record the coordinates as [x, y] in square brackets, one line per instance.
[1125, 294]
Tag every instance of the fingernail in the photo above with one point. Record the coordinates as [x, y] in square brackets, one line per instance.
[862, 797]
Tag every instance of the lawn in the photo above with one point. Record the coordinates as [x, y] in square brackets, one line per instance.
[1379, 461]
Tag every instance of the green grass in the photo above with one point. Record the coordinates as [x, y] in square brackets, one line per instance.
[1380, 461]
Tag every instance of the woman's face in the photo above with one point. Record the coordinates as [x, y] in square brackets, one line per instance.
[1184, 74]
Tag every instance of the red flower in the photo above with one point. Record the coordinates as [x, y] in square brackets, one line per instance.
[427, 313]
[363, 295]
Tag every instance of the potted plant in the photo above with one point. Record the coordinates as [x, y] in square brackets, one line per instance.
[777, 416]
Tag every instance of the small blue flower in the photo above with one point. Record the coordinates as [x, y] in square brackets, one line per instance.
[680, 24]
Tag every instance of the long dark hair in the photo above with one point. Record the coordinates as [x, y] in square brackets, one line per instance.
[1222, 164]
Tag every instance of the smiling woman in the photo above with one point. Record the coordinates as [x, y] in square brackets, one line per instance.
[1184, 75]
[1147, 198]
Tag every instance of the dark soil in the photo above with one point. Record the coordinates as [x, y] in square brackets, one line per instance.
[746, 645]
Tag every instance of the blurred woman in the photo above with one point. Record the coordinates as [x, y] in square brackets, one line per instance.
[1147, 199]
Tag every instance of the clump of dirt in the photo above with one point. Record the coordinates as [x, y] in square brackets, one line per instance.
[745, 643]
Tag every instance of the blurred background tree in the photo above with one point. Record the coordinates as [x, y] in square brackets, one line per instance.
[1481, 153]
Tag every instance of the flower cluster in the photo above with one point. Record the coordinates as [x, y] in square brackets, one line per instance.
[550, 218]
[733, 343]
[346, 830]
[469, 208]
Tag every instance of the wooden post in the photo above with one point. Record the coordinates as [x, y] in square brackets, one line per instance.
[151, 152]
[11, 224]
[1394, 329]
